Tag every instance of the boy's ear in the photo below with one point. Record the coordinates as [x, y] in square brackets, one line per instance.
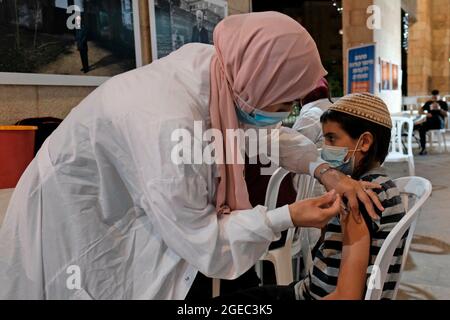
[367, 142]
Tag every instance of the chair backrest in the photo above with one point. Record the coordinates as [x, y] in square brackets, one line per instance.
[411, 103]
[409, 100]
[414, 191]
[301, 243]
[305, 187]
[274, 187]
[423, 99]
[398, 127]
[272, 197]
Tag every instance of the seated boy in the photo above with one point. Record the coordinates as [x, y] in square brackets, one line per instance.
[357, 132]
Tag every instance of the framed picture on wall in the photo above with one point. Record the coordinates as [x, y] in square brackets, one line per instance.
[385, 75]
[68, 42]
[395, 77]
[175, 23]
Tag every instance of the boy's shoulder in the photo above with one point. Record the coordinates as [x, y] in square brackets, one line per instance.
[388, 194]
[380, 178]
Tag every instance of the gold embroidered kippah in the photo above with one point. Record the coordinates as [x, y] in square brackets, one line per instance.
[365, 106]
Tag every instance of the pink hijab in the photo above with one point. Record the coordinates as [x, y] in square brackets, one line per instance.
[261, 59]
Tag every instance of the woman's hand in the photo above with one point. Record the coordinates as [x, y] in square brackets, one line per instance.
[352, 191]
[316, 213]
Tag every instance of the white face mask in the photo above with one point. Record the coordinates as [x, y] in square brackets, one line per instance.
[259, 118]
[251, 126]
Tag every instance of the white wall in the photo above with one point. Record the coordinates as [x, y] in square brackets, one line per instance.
[388, 40]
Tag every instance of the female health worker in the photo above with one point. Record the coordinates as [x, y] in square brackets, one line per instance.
[104, 213]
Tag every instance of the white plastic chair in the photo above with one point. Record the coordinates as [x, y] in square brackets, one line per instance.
[411, 103]
[415, 192]
[281, 258]
[439, 136]
[301, 245]
[397, 152]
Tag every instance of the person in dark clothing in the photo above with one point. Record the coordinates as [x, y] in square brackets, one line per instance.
[82, 43]
[199, 32]
[436, 111]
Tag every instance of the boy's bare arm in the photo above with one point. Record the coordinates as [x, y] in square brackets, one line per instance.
[355, 260]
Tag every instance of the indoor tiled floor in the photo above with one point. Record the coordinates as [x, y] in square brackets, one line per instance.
[427, 273]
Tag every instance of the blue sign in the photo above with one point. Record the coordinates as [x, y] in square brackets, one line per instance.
[361, 69]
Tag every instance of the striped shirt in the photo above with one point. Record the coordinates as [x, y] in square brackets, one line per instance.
[322, 279]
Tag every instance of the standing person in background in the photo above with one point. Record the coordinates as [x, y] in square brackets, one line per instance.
[82, 43]
[199, 32]
[436, 111]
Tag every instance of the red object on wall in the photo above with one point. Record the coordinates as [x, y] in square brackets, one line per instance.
[16, 153]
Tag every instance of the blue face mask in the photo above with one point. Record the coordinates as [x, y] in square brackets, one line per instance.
[335, 156]
[260, 118]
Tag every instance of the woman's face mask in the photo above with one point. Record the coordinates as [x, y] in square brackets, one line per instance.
[260, 118]
[338, 157]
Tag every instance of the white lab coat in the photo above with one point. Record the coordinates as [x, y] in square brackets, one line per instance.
[103, 213]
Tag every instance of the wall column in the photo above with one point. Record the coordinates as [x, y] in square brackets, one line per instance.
[420, 67]
[354, 20]
[387, 39]
[440, 44]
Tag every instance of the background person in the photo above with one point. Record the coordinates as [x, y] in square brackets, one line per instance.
[436, 111]
[81, 38]
[199, 32]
